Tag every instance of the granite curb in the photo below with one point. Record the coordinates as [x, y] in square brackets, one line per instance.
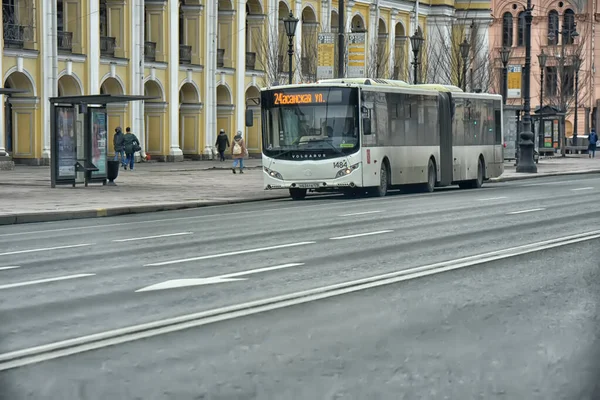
[53, 216]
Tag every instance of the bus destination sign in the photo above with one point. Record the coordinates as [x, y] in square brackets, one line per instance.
[290, 99]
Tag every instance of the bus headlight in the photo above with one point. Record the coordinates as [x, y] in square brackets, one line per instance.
[347, 171]
[273, 174]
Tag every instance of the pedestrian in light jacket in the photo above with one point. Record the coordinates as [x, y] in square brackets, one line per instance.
[118, 141]
[238, 152]
[593, 138]
[222, 144]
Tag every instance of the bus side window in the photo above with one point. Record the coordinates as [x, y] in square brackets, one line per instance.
[498, 125]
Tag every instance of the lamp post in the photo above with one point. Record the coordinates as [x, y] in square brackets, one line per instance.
[416, 41]
[290, 29]
[525, 161]
[504, 57]
[577, 66]
[464, 53]
[542, 59]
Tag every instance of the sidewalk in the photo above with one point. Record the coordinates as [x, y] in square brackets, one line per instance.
[26, 195]
[553, 166]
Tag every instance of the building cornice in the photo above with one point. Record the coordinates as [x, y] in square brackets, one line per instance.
[23, 53]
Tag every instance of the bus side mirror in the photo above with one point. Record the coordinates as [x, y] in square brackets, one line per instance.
[366, 126]
[249, 118]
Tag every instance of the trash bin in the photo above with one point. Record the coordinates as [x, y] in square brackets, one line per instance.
[112, 171]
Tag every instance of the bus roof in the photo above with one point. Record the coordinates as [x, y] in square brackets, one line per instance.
[382, 83]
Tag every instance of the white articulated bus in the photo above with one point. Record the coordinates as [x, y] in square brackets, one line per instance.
[355, 135]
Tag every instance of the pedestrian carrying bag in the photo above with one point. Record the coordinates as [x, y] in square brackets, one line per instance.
[237, 149]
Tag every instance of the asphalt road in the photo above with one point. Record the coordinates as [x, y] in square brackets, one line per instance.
[522, 327]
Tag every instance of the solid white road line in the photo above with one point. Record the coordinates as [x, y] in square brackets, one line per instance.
[583, 188]
[232, 253]
[154, 237]
[361, 213]
[526, 211]
[11, 267]
[82, 344]
[45, 249]
[178, 283]
[360, 235]
[493, 198]
[29, 283]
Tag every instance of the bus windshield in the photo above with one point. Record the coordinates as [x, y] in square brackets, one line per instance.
[312, 120]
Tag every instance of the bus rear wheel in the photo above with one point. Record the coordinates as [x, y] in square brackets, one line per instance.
[298, 194]
[475, 183]
[431, 178]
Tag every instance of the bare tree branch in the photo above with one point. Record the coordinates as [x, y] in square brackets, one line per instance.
[272, 57]
[559, 76]
[445, 63]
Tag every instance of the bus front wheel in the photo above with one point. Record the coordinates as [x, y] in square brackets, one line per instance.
[298, 194]
[384, 182]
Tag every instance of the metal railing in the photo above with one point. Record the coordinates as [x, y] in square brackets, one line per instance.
[65, 41]
[185, 54]
[149, 51]
[107, 46]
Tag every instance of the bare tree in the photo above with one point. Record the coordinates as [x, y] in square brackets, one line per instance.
[445, 63]
[560, 90]
[378, 60]
[401, 66]
[309, 58]
[272, 57]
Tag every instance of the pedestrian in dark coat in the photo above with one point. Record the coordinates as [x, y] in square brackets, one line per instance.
[222, 144]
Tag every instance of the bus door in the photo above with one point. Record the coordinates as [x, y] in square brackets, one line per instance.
[446, 162]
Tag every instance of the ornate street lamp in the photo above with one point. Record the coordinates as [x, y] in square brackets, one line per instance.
[577, 65]
[542, 59]
[464, 53]
[505, 57]
[416, 41]
[525, 161]
[290, 29]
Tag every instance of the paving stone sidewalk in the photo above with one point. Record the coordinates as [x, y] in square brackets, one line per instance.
[26, 195]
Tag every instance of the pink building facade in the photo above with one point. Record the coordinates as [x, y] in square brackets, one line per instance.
[553, 32]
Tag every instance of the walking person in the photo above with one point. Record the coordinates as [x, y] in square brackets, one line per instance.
[238, 152]
[131, 144]
[593, 139]
[222, 144]
[118, 141]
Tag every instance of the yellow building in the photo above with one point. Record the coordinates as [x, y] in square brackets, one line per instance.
[204, 61]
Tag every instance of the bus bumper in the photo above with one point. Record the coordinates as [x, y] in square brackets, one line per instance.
[346, 182]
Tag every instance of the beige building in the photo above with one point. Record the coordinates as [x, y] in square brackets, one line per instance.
[203, 60]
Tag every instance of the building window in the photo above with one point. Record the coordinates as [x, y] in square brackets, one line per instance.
[507, 30]
[60, 22]
[551, 78]
[553, 27]
[103, 19]
[521, 29]
[568, 26]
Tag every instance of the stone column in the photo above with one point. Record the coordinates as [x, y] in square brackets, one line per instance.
[136, 70]
[298, 42]
[210, 69]
[93, 61]
[392, 41]
[49, 64]
[240, 70]
[175, 153]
